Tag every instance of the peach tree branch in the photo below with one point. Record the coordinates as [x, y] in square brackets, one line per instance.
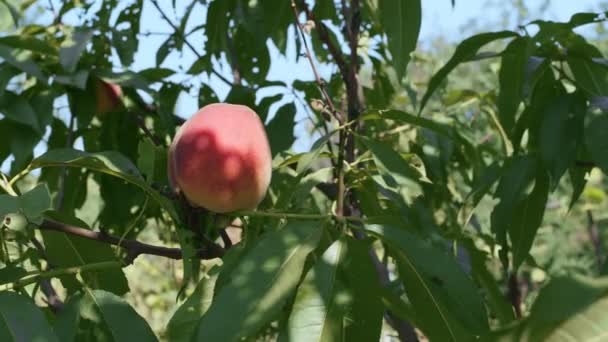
[133, 248]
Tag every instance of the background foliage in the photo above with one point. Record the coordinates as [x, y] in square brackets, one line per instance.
[452, 193]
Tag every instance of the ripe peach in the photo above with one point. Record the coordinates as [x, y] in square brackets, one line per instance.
[108, 96]
[220, 158]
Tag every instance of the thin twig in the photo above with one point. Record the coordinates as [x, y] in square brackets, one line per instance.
[185, 40]
[64, 170]
[52, 298]
[52, 7]
[340, 173]
[134, 248]
[320, 82]
[141, 123]
[225, 239]
[321, 29]
[594, 237]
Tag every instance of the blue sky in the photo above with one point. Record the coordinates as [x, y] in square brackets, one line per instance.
[439, 20]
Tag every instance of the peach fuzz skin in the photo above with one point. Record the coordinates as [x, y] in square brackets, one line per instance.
[220, 159]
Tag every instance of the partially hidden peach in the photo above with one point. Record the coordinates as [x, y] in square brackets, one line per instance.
[220, 158]
[108, 96]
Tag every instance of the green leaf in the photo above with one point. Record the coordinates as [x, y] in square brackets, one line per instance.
[206, 96]
[496, 300]
[198, 66]
[397, 172]
[364, 318]
[584, 18]
[517, 175]
[183, 323]
[21, 59]
[297, 194]
[18, 109]
[401, 21]
[576, 317]
[466, 50]
[578, 179]
[29, 43]
[338, 299]
[164, 50]
[153, 75]
[590, 76]
[66, 322]
[527, 218]
[318, 310]
[111, 163]
[21, 320]
[31, 204]
[72, 47]
[596, 142]
[511, 81]
[280, 129]
[306, 160]
[561, 133]
[78, 79]
[444, 299]
[13, 11]
[407, 118]
[147, 158]
[261, 284]
[181, 31]
[217, 26]
[7, 72]
[35, 202]
[123, 322]
[8, 204]
[19, 140]
[481, 187]
[393, 303]
[11, 273]
[124, 39]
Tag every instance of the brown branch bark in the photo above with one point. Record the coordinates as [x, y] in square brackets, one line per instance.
[134, 248]
[515, 294]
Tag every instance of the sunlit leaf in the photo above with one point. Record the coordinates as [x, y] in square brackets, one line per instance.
[465, 51]
[437, 287]
[261, 283]
[72, 47]
[22, 320]
[183, 323]
[120, 319]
